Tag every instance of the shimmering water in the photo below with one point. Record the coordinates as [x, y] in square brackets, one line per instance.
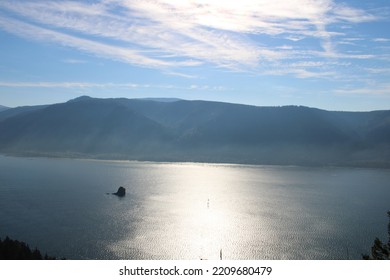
[191, 211]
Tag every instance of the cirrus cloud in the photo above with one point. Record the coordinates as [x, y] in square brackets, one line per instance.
[250, 35]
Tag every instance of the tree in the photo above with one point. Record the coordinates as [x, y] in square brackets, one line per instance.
[380, 251]
[17, 250]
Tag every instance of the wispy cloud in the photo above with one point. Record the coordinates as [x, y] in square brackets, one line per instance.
[382, 40]
[45, 84]
[377, 89]
[84, 85]
[169, 34]
[105, 50]
[73, 61]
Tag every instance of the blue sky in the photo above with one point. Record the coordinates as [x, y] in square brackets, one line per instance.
[327, 54]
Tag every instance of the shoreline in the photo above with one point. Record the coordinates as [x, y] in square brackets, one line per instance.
[83, 157]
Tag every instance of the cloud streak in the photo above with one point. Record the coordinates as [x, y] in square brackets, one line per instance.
[380, 89]
[250, 35]
[85, 85]
[127, 55]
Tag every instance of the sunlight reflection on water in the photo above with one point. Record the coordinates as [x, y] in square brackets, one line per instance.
[192, 211]
[247, 212]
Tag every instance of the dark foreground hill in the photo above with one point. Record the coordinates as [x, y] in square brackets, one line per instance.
[16, 250]
[179, 130]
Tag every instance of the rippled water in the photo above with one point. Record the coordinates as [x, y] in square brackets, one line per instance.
[191, 211]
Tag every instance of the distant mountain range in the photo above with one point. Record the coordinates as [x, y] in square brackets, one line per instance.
[3, 108]
[201, 131]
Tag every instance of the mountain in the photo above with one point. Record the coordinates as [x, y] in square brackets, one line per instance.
[18, 111]
[180, 130]
[3, 108]
[159, 99]
[83, 126]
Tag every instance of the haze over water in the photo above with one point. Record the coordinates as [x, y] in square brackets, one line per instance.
[191, 210]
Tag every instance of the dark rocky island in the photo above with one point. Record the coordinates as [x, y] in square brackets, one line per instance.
[121, 192]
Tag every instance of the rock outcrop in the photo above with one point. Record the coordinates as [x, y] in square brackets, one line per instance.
[121, 192]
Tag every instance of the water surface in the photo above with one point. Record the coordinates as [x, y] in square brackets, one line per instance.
[191, 210]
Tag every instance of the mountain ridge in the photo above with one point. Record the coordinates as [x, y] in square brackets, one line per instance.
[205, 131]
[3, 108]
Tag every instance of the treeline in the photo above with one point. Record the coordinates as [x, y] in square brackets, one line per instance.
[17, 250]
[380, 250]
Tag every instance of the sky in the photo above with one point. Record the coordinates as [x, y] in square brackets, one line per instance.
[328, 54]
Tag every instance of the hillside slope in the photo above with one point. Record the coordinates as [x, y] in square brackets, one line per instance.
[179, 130]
